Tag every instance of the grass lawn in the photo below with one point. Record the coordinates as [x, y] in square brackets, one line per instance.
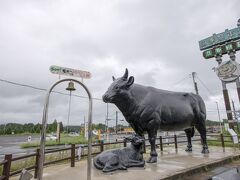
[65, 139]
[28, 162]
[219, 143]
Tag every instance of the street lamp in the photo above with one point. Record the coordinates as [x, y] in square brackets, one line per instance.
[120, 126]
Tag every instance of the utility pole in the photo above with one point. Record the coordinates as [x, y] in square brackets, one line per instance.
[107, 118]
[116, 122]
[85, 128]
[194, 82]
[106, 125]
[219, 118]
[234, 113]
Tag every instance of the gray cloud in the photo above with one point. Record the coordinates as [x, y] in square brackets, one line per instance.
[156, 40]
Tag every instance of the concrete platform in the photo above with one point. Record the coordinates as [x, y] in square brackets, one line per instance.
[170, 165]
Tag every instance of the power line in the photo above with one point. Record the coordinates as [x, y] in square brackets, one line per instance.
[79, 96]
[23, 85]
[205, 86]
[42, 89]
[178, 82]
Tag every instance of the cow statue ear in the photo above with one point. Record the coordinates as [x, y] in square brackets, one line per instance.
[130, 81]
[113, 78]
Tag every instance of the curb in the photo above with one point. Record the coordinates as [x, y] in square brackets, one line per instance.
[202, 168]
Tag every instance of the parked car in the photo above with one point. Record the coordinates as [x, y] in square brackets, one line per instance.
[51, 137]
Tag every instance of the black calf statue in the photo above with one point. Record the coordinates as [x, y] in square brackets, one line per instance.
[148, 109]
[121, 159]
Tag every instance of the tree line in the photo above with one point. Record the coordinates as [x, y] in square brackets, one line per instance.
[15, 128]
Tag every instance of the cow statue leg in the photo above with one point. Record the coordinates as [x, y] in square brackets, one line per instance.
[152, 134]
[189, 133]
[202, 130]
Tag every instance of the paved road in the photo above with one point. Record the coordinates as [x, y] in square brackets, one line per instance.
[11, 144]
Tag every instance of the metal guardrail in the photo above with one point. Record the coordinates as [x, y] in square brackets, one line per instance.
[6, 163]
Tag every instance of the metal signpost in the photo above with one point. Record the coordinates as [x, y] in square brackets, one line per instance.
[68, 72]
[44, 127]
[227, 42]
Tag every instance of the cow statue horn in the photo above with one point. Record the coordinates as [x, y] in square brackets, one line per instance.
[125, 76]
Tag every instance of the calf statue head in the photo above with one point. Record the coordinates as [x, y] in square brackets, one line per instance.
[135, 140]
[118, 89]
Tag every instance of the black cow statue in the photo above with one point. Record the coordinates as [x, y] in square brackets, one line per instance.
[148, 109]
[121, 159]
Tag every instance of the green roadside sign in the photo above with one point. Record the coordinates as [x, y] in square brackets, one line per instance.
[69, 72]
[221, 38]
[221, 50]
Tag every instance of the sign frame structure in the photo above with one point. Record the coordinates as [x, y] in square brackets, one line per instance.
[69, 72]
[220, 38]
[228, 71]
[227, 42]
[44, 128]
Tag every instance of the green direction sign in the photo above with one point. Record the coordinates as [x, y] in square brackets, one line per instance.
[217, 39]
[221, 50]
[69, 72]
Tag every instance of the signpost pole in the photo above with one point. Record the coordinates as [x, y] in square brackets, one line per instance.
[227, 105]
[233, 58]
[227, 42]
[226, 98]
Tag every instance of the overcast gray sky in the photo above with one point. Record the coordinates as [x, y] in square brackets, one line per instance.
[156, 40]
